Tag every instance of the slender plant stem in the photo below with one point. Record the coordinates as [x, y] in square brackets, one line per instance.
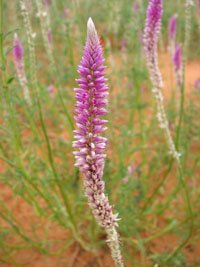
[2, 58]
[150, 199]
[60, 186]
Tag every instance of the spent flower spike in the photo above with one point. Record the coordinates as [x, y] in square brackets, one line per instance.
[30, 40]
[45, 23]
[188, 23]
[91, 101]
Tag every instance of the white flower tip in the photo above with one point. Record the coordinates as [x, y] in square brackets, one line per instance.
[90, 23]
[15, 36]
[91, 28]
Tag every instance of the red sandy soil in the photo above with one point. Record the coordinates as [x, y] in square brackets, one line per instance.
[75, 256]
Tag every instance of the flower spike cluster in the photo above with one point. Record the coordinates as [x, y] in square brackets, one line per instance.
[91, 100]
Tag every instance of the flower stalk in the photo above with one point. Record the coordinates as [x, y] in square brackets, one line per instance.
[91, 100]
[151, 35]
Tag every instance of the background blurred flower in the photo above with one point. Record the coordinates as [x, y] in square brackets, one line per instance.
[123, 44]
[47, 2]
[67, 12]
[52, 90]
[49, 35]
[130, 171]
[177, 57]
[197, 84]
[178, 65]
[135, 6]
[18, 53]
[172, 25]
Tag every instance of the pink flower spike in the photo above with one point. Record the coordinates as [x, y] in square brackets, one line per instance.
[90, 126]
[91, 100]
[178, 65]
[177, 59]
[151, 35]
[172, 27]
[150, 39]
[18, 54]
[18, 50]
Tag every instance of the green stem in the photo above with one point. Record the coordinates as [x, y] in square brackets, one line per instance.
[60, 186]
[181, 114]
[190, 215]
[181, 117]
[149, 200]
[2, 58]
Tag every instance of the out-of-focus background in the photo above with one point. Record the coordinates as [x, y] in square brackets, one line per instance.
[44, 216]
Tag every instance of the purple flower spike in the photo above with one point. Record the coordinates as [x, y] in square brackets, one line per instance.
[154, 14]
[152, 27]
[172, 27]
[150, 38]
[151, 34]
[18, 54]
[177, 57]
[18, 50]
[91, 97]
[178, 64]
[172, 34]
